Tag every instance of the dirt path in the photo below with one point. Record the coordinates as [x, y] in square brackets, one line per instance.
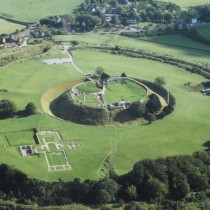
[74, 65]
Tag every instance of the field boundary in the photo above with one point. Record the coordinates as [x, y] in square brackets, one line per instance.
[173, 45]
[16, 21]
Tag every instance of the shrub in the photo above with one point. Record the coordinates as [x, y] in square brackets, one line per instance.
[7, 108]
[153, 104]
[30, 108]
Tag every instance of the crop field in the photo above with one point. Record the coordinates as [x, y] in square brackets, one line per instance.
[32, 11]
[7, 27]
[188, 3]
[182, 132]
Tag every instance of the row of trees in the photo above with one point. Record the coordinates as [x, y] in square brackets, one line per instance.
[194, 34]
[78, 23]
[9, 109]
[164, 180]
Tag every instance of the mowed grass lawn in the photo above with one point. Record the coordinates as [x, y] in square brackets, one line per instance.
[8, 27]
[20, 138]
[182, 132]
[34, 10]
[88, 87]
[128, 91]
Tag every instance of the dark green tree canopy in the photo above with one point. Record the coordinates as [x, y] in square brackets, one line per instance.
[99, 70]
[7, 108]
[137, 109]
[30, 108]
[153, 104]
[160, 81]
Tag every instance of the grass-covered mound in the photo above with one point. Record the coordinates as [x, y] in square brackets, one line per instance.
[123, 91]
[121, 100]
[64, 107]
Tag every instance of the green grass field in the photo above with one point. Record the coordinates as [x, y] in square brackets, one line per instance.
[182, 132]
[196, 55]
[204, 30]
[20, 138]
[86, 38]
[34, 10]
[56, 158]
[188, 3]
[123, 92]
[88, 87]
[7, 27]
[159, 44]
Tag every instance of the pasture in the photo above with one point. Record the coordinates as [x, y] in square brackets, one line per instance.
[164, 45]
[86, 38]
[175, 45]
[188, 3]
[182, 132]
[8, 27]
[204, 30]
[33, 11]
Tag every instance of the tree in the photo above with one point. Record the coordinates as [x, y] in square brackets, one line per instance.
[115, 20]
[30, 108]
[178, 185]
[160, 81]
[137, 109]
[99, 70]
[131, 193]
[123, 75]
[154, 189]
[104, 191]
[153, 104]
[104, 76]
[86, 22]
[7, 108]
[168, 17]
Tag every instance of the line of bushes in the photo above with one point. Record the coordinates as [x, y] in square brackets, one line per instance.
[194, 34]
[8, 109]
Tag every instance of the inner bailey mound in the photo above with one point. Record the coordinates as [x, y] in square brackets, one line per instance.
[65, 108]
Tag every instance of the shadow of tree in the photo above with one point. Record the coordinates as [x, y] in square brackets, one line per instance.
[207, 144]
